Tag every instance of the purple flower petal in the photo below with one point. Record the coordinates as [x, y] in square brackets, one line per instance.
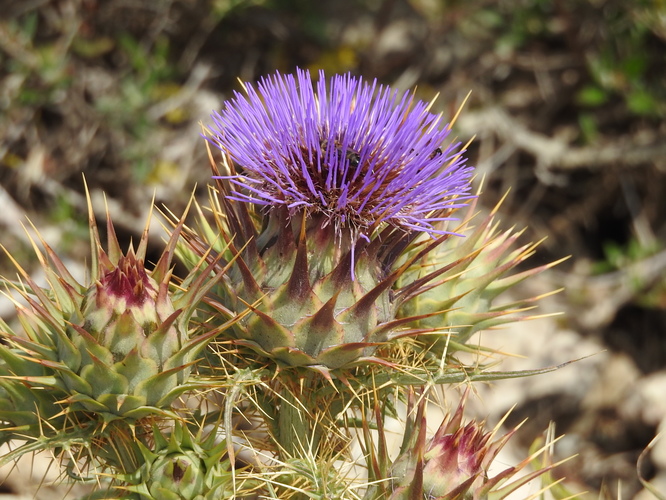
[357, 153]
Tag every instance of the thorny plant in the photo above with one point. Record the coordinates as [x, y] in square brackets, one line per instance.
[337, 271]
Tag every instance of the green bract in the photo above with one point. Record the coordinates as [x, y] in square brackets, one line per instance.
[305, 308]
[455, 287]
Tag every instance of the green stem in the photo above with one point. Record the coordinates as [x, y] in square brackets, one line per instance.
[299, 428]
[295, 425]
[119, 448]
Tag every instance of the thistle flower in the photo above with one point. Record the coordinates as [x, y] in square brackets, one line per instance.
[351, 155]
[325, 186]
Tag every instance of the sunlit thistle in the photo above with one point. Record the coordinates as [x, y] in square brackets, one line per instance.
[327, 242]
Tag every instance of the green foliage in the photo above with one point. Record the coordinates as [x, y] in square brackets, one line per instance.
[619, 256]
[619, 50]
[649, 290]
[296, 423]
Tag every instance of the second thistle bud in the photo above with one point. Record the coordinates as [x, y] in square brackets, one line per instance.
[454, 463]
[123, 294]
[456, 458]
[126, 311]
[126, 339]
[120, 345]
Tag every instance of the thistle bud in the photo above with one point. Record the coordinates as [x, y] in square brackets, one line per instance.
[456, 457]
[454, 463]
[124, 309]
[120, 345]
[177, 476]
[182, 466]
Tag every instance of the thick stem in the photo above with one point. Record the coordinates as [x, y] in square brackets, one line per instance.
[299, 428]
[293, 425]
[119, 449]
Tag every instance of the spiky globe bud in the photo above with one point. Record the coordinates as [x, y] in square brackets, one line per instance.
[177, 476]
[182, 466]
[324, 186]
[128, 340]
[120, 346]
[125, 295]
[131, 315]
[455, 457]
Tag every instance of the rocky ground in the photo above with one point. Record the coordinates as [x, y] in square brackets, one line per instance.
[567, 110]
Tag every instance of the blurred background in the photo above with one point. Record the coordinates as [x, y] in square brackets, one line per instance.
[567, 107]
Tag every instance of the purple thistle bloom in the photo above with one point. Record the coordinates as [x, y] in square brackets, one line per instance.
[355, 154]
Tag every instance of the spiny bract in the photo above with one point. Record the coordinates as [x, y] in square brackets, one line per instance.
[456, 286]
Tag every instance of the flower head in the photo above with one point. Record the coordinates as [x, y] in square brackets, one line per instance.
[352, 155]
[327, 184]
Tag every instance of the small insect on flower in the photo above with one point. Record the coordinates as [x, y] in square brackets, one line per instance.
[437, 152]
